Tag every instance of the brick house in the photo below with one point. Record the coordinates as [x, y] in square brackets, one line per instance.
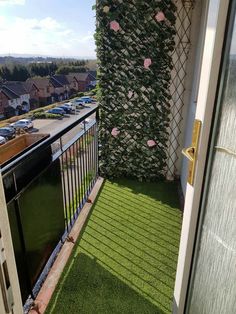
[33, 90]
[73, 83]
[45, 88]
[61, 85]
[84, 81]
[14, 98]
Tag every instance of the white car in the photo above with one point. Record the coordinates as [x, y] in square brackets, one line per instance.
[24, 124]
[2, 140]
[69, 105]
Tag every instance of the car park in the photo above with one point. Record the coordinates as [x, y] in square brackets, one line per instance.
[8, 132]
[24, 124]
[57, 110]
[2, 140]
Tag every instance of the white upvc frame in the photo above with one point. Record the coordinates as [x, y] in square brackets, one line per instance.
[211, 59]
[6, 242]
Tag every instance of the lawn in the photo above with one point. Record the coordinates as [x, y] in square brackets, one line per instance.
[125, 260]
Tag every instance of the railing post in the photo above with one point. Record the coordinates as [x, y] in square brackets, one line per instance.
[10, 297]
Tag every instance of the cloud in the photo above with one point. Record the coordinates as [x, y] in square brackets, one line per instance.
[43, 37]
[12, 2]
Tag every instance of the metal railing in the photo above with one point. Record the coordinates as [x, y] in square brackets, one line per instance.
[46, 188]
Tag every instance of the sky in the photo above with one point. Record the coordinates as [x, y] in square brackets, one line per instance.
[62, 28]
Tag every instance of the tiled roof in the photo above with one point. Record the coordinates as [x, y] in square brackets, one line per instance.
[13, 89]
[55, 82]
[83, 76]
[40, 82]
[28, 85]
[62, 79]
[70, 78]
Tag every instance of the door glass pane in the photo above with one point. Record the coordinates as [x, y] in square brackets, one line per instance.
[213, 289]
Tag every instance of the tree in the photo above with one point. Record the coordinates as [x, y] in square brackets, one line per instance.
[66, 69]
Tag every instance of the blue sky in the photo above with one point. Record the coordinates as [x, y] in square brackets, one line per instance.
[47, 27]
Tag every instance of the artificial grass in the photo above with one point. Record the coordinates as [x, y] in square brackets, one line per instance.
[125, 260]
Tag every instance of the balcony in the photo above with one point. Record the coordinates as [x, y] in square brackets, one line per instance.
[126, 254]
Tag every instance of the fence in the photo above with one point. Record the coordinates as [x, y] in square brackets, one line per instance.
[46, 188]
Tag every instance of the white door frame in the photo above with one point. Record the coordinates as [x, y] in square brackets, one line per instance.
[211, 60]
[9, 256]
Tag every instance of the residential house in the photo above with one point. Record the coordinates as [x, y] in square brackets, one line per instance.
[14, 98]
[33, 90]
[45, 89]
[61, 85]
[73, 83]
[85, 81]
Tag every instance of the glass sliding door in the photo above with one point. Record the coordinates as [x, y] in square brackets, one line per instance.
[212, 288]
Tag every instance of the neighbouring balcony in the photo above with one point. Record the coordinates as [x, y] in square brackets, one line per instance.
[126, 257]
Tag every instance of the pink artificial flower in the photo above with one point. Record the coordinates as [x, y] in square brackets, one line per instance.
[115, 26]
[160, 16]
[151, 143]
[130, 94]
[147, 63]
[115, 132]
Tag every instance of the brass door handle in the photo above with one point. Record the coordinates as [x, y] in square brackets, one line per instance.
[189, 153]
[192, 151]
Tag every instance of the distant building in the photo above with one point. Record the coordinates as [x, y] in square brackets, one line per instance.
[85, 81]
[61, 85]
[73, 83]
[33, 91]
[45, 88]
[14, 98]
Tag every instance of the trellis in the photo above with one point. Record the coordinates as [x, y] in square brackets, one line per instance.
[178, 81]
[141, 99]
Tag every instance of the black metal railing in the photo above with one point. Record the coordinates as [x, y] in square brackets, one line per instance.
[46, 187]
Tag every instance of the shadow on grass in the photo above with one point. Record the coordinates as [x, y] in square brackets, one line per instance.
[93, 289]
[156, 190]
[125, 258]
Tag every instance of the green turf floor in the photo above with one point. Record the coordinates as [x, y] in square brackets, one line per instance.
[125, 261]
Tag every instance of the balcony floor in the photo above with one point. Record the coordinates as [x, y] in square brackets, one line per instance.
[125, 260]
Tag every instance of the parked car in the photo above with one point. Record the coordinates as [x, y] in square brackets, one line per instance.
[79, 102]
[65, 108]
[2, 140]
[57, 110]
[8, 132]
[24, 124]
[86, 99]
[68, 105]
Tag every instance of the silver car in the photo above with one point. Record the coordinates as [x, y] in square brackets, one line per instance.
[24, 124]
[2, 140]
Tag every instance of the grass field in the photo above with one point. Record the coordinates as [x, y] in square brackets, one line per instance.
[125, 260]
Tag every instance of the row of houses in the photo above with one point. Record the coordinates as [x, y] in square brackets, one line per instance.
[20, 97]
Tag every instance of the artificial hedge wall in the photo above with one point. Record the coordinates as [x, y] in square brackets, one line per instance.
[135, 40]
